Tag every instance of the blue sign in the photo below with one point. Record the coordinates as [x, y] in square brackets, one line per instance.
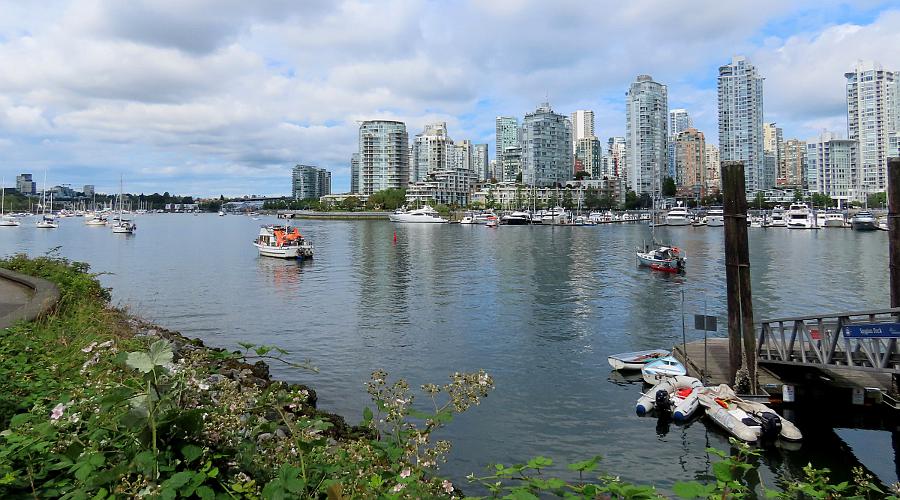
[872, 331]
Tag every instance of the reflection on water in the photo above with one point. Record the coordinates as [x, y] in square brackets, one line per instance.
[539, 307]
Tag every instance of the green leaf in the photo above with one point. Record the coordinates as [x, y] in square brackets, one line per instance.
[139, 361]
[205, 492]
[367, 415]
[586, 465]
[722, 470]
[161, 353]
[178, 480]
[191, 452]
[692, 489]
[539, 463]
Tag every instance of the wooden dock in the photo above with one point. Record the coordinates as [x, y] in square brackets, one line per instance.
[716, 364]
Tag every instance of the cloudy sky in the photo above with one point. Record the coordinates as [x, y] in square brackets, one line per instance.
[211, 97]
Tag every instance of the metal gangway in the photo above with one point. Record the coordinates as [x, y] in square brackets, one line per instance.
[863, 341]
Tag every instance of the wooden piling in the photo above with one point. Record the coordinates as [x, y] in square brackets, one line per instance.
[741, 335]
[893, 221]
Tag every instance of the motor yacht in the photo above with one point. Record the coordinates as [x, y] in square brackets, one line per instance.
[800, 217]
[864, 221]
[715, 217]
[678, 216]
[777, 218]
[835, 218]
[516, 219]
[425, 214]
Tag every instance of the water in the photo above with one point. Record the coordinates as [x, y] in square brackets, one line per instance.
[540, 308]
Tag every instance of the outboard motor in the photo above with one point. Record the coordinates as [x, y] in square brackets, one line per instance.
[771, 425]
[663, 402]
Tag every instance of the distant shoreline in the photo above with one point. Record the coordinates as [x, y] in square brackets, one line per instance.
[305, 214]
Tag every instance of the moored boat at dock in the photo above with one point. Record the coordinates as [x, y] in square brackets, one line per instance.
[635, 360]
[655, 372]
[715, 217]
[425, 214]
[676, 396]
[678, 216]
[799, 216]
[748, 421]
[864, 221]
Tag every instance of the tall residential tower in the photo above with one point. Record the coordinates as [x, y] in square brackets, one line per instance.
[646, 114]
[740, 91]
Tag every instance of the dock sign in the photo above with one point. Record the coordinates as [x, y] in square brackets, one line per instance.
[872, 331]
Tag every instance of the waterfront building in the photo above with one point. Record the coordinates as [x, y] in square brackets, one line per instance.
[793, 165]
[773, 151]
[88, 190]
[614, 160]
[480, 162]
[690, 163]
[646, 115]
[461, 157]
[431, 151]
[546, 147]
[831, 168]
[582, 126]
[449, 187]
[740, 93]
[713, 168]
[25, 184]
[514, 196]
[354, 173]
[871, 116]
[496, 170]
[310, 182]
[589, 155]
[508, 135]
[512, 164]
[383, 156]
[679, 121]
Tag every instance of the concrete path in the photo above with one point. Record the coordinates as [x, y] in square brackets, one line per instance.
[24, 297]
[13, 295]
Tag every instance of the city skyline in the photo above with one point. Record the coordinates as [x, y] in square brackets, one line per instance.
[177, 101]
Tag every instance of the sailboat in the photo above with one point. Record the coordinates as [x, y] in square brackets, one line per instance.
[46, 221]
[122, 225]
[6, 220]
[660, 257]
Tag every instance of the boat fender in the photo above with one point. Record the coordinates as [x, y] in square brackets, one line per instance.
[771, 425]
[663, 402]
[640, 409]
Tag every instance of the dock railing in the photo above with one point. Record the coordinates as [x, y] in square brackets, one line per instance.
[826, 340]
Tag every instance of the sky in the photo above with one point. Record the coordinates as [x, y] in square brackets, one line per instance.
[210, 97]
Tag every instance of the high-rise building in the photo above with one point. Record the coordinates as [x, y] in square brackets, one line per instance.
[354, 173]
[740, 90]
[462, 154]
[679, 121]
[25, 185]
[480, 162]
[773, 150]
[690, 163]
[614, 160]
[871, 117]
[546, 147]
[512, 164]
[88, 190]
[713, 168]
[310, 182]
[582, 126]
[431, 151]
[383, 156]
[646, 116]
[508, 135]
[831, 168]
[496, 169]
[589, 154]
[793, 164]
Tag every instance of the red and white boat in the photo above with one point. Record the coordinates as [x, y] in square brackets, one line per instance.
[664, 258]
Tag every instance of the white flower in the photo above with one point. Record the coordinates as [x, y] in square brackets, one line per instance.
[57, 412]
[405, 473]
[448, 486]
[398, 487]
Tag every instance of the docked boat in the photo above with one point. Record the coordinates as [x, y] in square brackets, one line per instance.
[677, 396]
[635, 360]
[492, 222]
[664, 258]
[715, 217]
[834, 218]
[467, 219]
[283, 242]
[221, 213]
[425, 214]
[799, 216]
[678, 216]
[655, 372]
[555, 216]
[776, 218]
[748, 421]
[516, 219]
[864, 221]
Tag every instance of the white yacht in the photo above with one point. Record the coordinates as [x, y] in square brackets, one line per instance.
[484, 217]
[800, 217]
[678, 216]
[715, 217]
[425, 214]
[555, 216]
[776, 219]
[864, 221]
[835, 218]
[516, 219]
[283, 242]
[95, 220]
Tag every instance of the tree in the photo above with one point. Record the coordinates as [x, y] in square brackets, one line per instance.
[877, 200]
[581, 175]
[798, 195]
[489, 200]
[388, 199]
[591, 199]
[645, 200]
[760, 199]
[519, 177]
[350, 203]
[567, 202]
[821, 200]
[631, 200]
[668, 186]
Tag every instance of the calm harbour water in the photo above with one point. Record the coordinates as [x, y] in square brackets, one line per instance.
[539, 308]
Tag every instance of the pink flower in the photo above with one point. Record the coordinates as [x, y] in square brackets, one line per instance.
[405, 473]
[448, 486]
[398, 487]
[57, 412]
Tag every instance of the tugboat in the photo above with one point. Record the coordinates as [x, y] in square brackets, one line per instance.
[283, 242]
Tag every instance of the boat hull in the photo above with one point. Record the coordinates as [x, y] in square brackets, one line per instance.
[515, 221]
[679, 396]
[635, 360]
[416, 220]
[864, 225]
[284, 252]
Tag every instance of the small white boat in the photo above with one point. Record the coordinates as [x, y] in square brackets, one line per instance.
[283, 242]
[678, 216]
[491, 222]
[635, 360]
[468, 219]
[97, 220]
[5, 220]
[425, 214]
[667, 259]
[47, 223]
[715, 217]
[676, 396]
[655, 372]
[124, 226]
[748, 421]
